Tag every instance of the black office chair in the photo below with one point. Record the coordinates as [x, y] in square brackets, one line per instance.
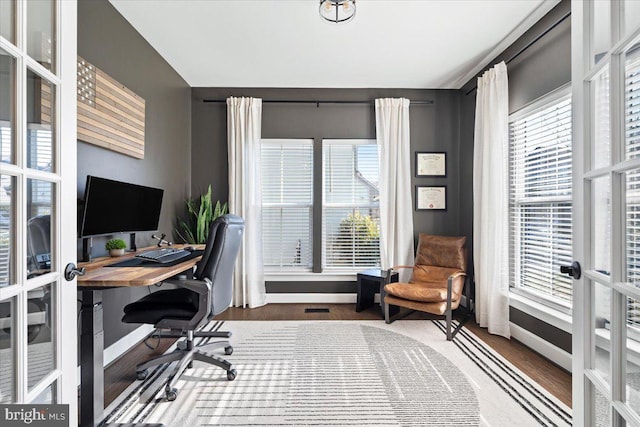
[193, 304]
[38, 245]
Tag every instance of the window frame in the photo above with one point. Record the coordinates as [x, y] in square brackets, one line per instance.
[282, 269]
[554, 97]
[318, 270]
[323, 246]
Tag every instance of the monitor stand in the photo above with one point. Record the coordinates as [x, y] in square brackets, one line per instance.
[86, 249]
[132, 242]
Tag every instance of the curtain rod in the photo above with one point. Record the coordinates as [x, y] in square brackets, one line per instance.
[318, 102]
[531, 43]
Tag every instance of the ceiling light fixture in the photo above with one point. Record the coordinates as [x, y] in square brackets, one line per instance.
[337, 11]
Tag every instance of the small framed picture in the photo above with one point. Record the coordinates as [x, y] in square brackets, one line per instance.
[431, 198]
[431, 164]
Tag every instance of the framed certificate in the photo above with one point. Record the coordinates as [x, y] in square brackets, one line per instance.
[431, 164]
[431, 198]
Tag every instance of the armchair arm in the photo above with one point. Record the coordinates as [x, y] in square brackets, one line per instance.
[450, 287]
[458, 274]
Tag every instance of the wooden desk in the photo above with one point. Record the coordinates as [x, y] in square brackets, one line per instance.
[97, 278]
[97, 275]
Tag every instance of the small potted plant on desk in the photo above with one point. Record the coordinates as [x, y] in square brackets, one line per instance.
[115, 247]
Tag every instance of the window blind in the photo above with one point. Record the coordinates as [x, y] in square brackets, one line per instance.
[350, 211]
[632, 143]
[287, 203]
[540, 201]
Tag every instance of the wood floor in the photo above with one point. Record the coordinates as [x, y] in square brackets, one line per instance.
[557, 381]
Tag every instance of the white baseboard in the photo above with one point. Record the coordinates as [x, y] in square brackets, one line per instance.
[311, 298]
[545, 348]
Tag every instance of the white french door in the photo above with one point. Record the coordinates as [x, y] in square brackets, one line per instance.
[38, 330]
[606, 146]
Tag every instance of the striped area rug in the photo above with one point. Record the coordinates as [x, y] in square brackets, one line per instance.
[345, 373]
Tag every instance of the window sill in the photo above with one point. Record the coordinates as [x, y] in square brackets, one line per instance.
[540, 311]
[310, 277]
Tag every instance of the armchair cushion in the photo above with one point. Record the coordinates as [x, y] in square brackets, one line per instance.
[442, 251]
[432, 274]
[425, 292]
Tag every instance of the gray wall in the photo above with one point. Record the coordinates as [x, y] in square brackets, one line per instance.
[108, 41]
[433, 128]
[539, 70]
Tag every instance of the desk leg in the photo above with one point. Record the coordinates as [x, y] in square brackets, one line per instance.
[91, 360]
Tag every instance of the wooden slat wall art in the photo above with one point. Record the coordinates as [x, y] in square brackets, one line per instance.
[109, 115]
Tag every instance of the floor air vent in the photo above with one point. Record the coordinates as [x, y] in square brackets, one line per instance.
[316, 310]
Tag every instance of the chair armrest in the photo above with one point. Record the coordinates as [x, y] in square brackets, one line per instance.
[458, 274]
[203, 289]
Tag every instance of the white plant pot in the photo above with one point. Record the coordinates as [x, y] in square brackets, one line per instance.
[116, 252]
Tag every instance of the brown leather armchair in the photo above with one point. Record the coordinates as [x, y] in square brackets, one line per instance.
[437, 281]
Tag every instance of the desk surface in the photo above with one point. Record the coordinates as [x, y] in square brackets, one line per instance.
[96, 276]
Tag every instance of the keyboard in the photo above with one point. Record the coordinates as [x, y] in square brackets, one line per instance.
[164, 255]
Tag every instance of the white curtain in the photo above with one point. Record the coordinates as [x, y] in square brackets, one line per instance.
[396, 209]
[491, 201]
[244, 121]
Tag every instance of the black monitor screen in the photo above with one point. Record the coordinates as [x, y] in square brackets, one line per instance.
[118, 207]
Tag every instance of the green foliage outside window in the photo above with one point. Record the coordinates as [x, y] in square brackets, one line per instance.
[358, 240]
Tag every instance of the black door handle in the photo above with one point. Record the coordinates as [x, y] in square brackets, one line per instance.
[71, 271]
[572, 270]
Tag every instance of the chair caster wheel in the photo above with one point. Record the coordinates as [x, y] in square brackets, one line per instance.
[228, 350]
[172, 394]
[142, 375]
[231, 374]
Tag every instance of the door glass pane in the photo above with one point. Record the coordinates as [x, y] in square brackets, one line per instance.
[7, 346]
[631, 16]
[601, 202]
[7, 20]
[40, 348]
[41, 32]
[602, 410]
[632, 102]
[633, 354]
[7, 106]
[601, 28]
[47, 397]
[602, 330]
[40, 123]
[632, 224]
[7, 230]
[39, 209]
[601, 129]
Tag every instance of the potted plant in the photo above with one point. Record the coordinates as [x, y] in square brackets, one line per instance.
[196, 228]
[115, 247]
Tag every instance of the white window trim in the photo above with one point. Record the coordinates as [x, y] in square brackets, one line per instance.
[332, 270]
[541, 311]
[558, 315]
[297, 276]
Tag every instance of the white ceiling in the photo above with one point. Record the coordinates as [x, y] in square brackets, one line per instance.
[284, 43]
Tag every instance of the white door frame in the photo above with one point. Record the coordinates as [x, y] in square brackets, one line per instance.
[64, 210]
[588, 380]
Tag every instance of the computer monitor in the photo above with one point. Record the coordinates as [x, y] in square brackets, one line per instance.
[112, 207]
